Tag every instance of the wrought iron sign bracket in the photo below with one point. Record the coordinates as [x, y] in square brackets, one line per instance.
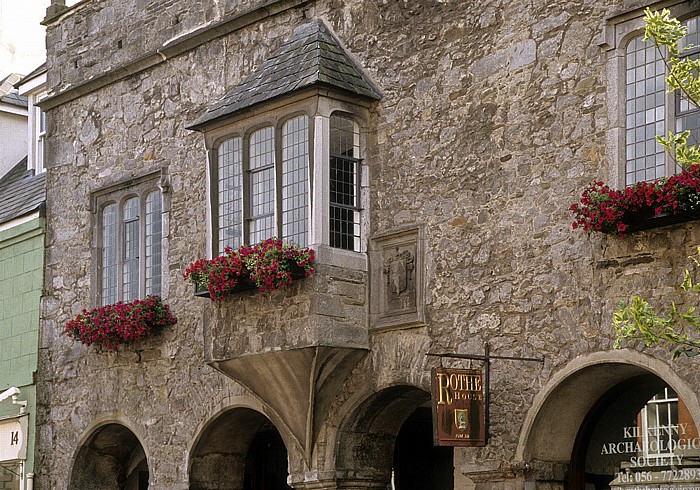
[486, 359]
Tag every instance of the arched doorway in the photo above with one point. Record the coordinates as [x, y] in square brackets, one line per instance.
[239, 450]
[637, 433]
[589, 428]
[111, 459]
[387, 443]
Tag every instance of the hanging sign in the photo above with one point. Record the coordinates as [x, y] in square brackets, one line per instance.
[458, 407]
[13, 439]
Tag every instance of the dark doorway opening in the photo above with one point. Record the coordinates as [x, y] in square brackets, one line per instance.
[112, 459]
[266, 462]
[418, 465]
[241, 449]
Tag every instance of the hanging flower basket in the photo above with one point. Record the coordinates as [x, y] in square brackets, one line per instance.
[114, 325]
[639, 207]
[267, 266]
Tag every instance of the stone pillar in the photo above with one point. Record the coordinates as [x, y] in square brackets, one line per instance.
[54, 10]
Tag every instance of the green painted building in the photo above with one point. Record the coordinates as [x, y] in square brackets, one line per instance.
[22, 194]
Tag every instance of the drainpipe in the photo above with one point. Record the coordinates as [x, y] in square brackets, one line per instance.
[30, 481]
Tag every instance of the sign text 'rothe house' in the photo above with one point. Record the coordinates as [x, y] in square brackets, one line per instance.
[458, 407]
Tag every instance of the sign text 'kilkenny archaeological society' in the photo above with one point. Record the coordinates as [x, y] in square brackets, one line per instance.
[458, 407]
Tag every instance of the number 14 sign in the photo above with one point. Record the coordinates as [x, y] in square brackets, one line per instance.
[13, 439]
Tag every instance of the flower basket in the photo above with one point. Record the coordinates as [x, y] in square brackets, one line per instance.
[267, 266]
[639, 207]
[114, 325]
[646, 220]
[244, 284]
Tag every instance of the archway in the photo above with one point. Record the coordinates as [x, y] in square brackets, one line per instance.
[587, 429]
[239, 450]
[387, 440]
[111, 459]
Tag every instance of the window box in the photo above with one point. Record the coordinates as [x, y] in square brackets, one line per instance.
[641, 206]
[269, 265]
[247, 284]
[112, 326]
[647, 219]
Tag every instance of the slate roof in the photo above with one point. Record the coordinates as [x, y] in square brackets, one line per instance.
[7, 93]
[13, 98]
[311, 56]
[21, 192]
[39, 70]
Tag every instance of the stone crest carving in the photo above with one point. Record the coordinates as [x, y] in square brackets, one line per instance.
[399, 269]
[396, 296]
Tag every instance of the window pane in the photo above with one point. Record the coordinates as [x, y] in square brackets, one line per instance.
[295, 163]
[660, 424]
[109, 254]
[262, 185]
[130, 271]
[644, 102]
[344, 169]
[230, 172]
[154, 234]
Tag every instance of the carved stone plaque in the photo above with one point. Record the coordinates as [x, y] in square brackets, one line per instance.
[397, 279]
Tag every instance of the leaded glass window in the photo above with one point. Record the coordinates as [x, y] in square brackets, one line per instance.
[263, 186]
[130, 231]
[649, 110]
[344, 166]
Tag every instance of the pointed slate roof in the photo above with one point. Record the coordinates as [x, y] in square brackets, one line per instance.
[311, 56]
[21, 192]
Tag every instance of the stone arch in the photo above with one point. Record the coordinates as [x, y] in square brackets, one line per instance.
[220, 457]
[561, 411]
[366, 439]
[110, 457]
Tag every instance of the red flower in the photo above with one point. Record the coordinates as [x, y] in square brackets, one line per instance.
[113, 325]
[266, 264]
[605, 210]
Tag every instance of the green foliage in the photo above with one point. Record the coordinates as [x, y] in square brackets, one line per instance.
[637, 320]
[666, 33]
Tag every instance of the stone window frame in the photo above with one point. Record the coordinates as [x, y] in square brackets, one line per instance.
[617, 32]
[118, 193]
[318, 105]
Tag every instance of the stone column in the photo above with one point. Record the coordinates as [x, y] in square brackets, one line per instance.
[54, 10]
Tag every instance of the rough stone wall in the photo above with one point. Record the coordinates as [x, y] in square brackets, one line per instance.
[105, 35]
[165, 388]
[494, 118]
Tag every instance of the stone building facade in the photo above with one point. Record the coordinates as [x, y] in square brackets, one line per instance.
[477, 125]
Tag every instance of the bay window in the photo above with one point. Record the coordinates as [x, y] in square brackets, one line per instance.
[263, 186]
